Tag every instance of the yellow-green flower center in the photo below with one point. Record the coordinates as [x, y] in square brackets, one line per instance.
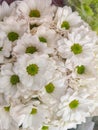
[32, 26]
[34, 13]
[65, 25]
[7, 109]
[50, 88]
[32, 69]
[31, 49]
[33, 111]
[45, 128]
[20, 126]
[80, 69]
[12, 36]
[76, 48]
[74, 104]
[42, 39]
[14, 79]
[1, 48]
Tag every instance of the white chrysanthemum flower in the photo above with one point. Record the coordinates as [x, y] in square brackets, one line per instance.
[30, 116]
[9, 82]
[84, 71]
[6, 10]
[66, 19]
[6, 121]
[74, 108]
[54, 89]
[35, 71]
[13, 29]
[47, 36]
[79, 46]
[80, 71]
[35, 11]
[29, 44]
[48, 67]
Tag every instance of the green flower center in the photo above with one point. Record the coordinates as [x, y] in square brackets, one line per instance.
[42, 39]
[32, 69]
[65, 25]
[20, 126]
[74, 104]
[34, 13]
[32, 26]
[7, 109]
[34, 111]
[76, 48]
[45, 128]
[49, 88]
[14, 79]
[31, 49]
[1, 48]
[80, 69]
[12, 36]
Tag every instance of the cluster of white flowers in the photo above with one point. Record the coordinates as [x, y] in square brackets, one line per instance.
[48, 67]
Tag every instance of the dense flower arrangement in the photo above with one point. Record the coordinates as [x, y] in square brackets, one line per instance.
[48, 67]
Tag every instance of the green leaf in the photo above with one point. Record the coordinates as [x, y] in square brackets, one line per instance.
[74, 3]
[87, 10]
[86, 1]
[94, 23]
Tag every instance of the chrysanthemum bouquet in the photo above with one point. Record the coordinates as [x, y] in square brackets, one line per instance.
[48, 67]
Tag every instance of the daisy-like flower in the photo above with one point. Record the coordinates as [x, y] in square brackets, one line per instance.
[79, 72]
[48, 67]
[9, 82]
[47, 36]
[35, 12]
[6, 121]
[6, 10]
[54, 89]
[35, 71]
[79, 47]
[30, 116]
[74, 108]
[66, 19]
[13, 29]
[84, 71]
[29, 44]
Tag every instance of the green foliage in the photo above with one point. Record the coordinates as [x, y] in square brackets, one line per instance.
[88, 9]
